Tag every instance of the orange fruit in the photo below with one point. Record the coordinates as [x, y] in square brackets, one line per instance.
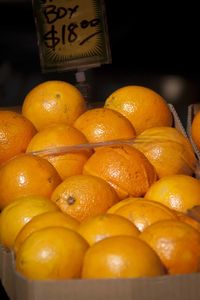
[103, 124]
[178, 192]
[160, 144]
[142, 212]
[61, 135]
[51, 253]
[176, 243]
[47, 219]
[144, 107]
[26, 175]
[53, 102]
[82, 196]
[99, 227]
[125, 168]
[121, 203]
[16, 131]
[121, 257]
[195, 129]
[184, 217]
[20, 212]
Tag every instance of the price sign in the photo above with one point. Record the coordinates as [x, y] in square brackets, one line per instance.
[72, 34]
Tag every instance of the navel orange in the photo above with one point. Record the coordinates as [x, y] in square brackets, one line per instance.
[121, 257]
[20, 212]
[103, 124]
[144, 107]
[184, 217]
[178, 192]
[102, 226]
[51, 253]
[176, 243]
[161, 144]
[125, 168]
[26, 175]
[82, 196]
[61, 135]
[142, 212]
[121, 203]
[16, 131]
[53, 102]
[47, 219]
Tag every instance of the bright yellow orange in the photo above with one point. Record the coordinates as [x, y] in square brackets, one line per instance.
[61, 135]
[53, 102]
[168, 150]
[82, 196]
[20, 212]
[195, 129]
[121, 203]
[125, 168]
[16, 131]
[47, 219]
[142, 212]
[95, 229]
[121, 257]
[144, 107]
[51, 253]
[176, 243]
[178, 192]
[103, 124]
[26, 175]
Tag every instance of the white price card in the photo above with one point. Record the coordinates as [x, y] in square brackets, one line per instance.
[72, 34]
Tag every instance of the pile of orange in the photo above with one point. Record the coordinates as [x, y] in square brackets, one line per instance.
[106, 192]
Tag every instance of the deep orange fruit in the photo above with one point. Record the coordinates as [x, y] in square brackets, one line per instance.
[176, 243]
[26, 175]
[82, 196]
[121, 257]
[125, 168]
[16, 131]
[53, 102]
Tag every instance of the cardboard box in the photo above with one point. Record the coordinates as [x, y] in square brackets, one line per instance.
[180, 287]
[7, 272]
[167, 287]
[176, 287]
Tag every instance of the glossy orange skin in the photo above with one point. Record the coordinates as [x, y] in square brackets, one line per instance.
[178, 192]
[168, 150]
[97, 228]
[53, 102]
[16, 131]
[26, 175]
[188, 220]
[176, 243]
[51, 253]
[142, 213]
[18, 213]
[82, 196]
[61, 135]
[47, 219]
[195, 129]
[144, 107]
[121, 203]
[103, 124]
[125, 168]
[121, 257]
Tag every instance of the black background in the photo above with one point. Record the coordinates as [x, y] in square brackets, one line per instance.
[155, 45]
